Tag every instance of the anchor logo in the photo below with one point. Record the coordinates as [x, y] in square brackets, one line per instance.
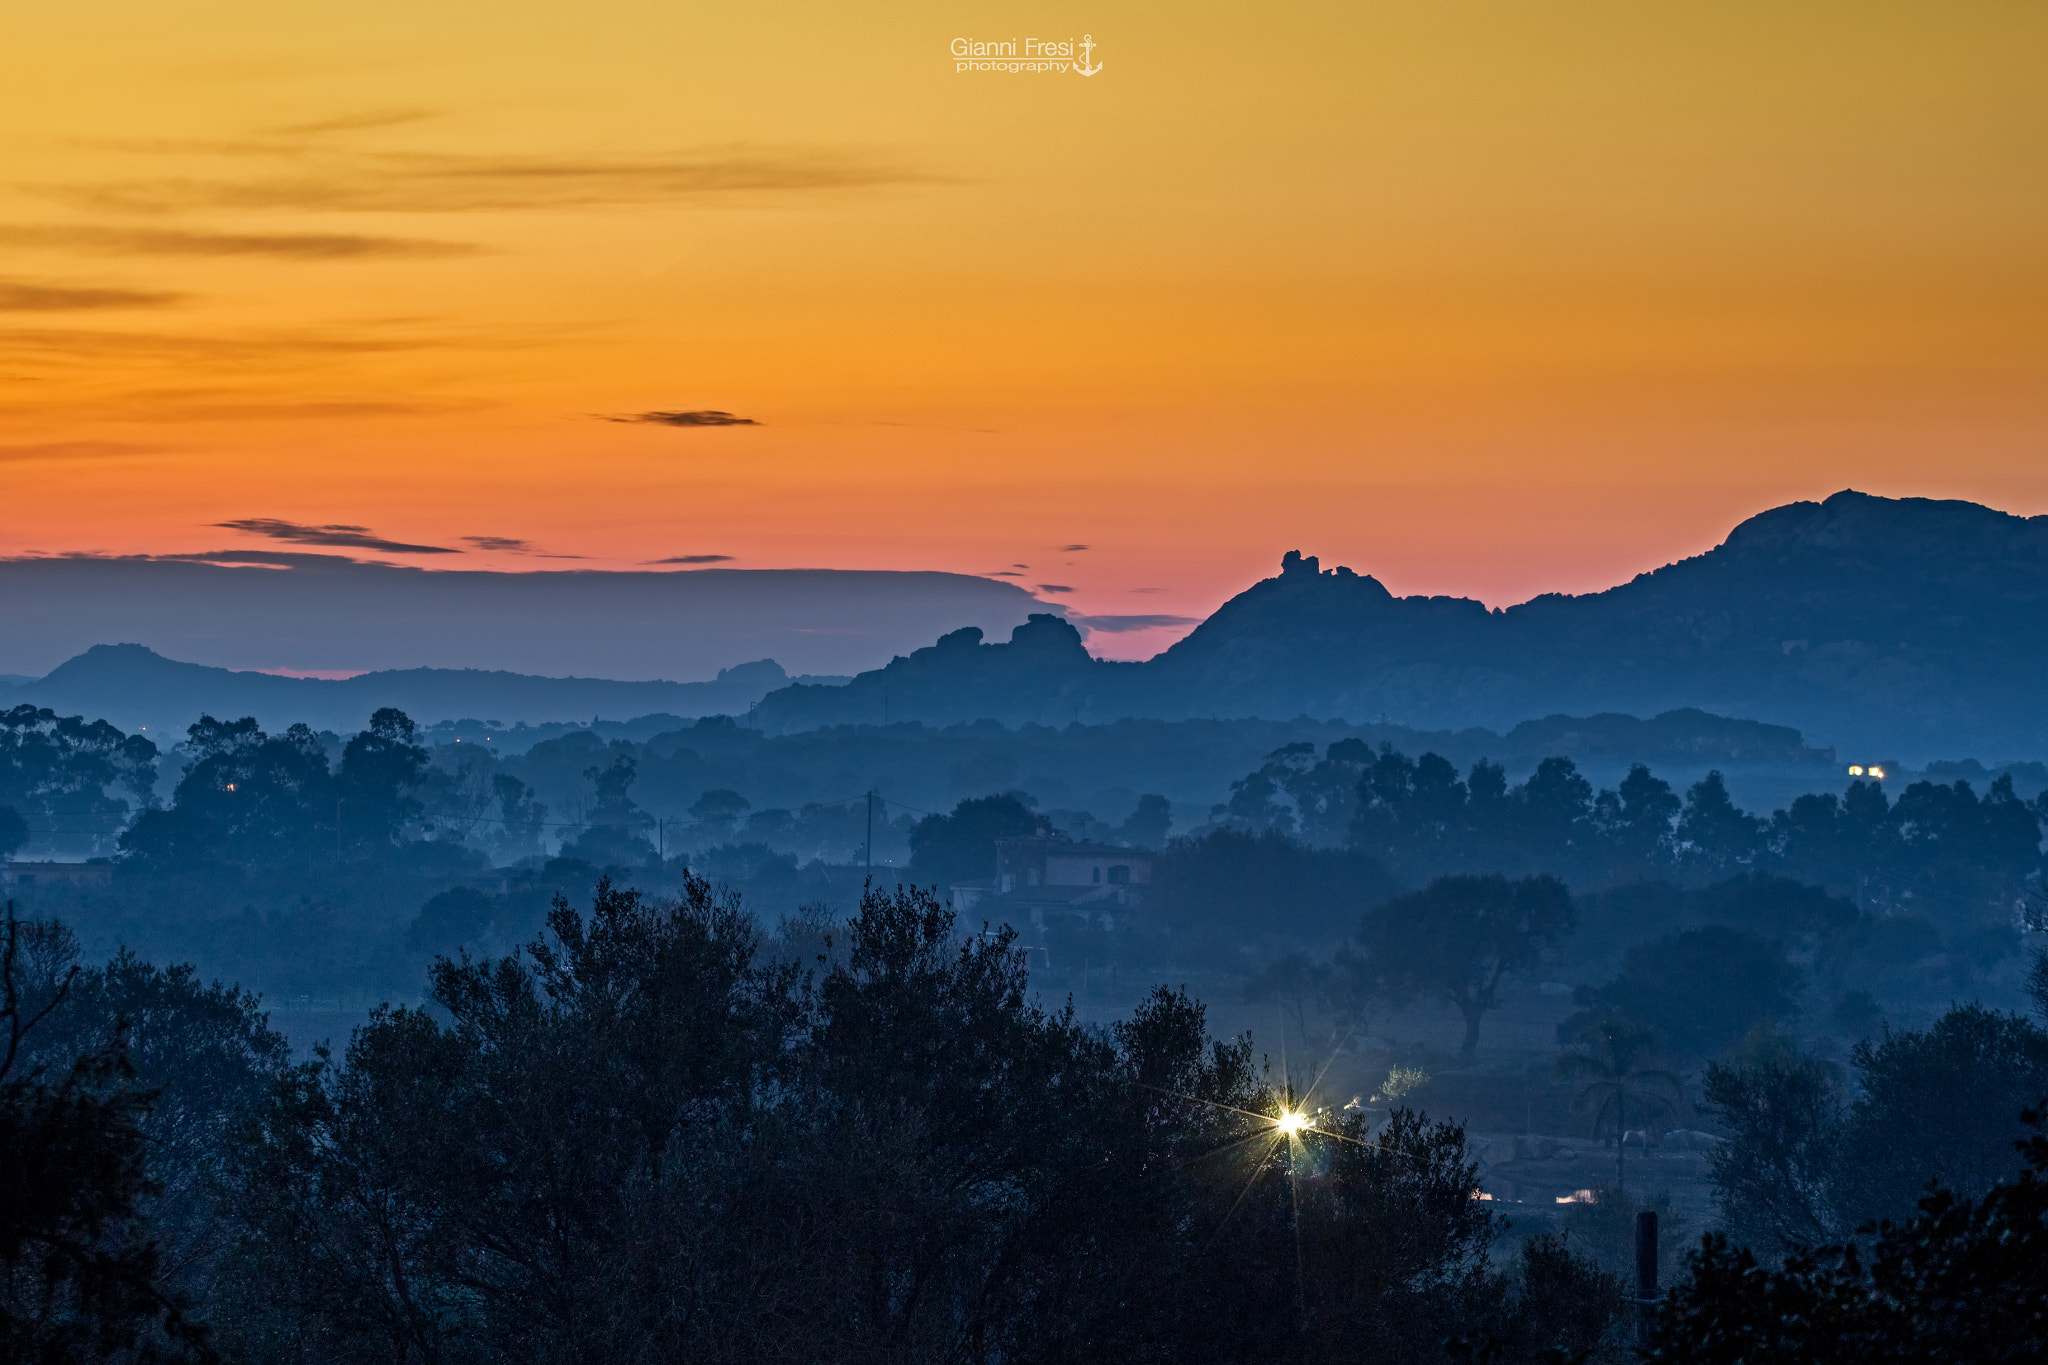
[1088, 46]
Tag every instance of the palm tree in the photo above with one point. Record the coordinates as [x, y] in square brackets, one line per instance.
[1608, 1054]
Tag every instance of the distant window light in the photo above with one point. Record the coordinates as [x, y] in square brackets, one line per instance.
[1855, 770]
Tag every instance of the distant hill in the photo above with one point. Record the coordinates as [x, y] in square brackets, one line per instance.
[136, 688]
[273, 609]
[1902, 627]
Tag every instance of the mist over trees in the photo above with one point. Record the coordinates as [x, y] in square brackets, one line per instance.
[590, 1127]
[660, 1132]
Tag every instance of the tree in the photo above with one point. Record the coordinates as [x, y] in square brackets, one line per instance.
[1554, 807]
[1962, 1280]
[719, 810]
[258, 798]
[1459, 939]
[80, 1276]
[1295, 983]
[379, 779]
[1778, 1175]
[62, 773]
[1642, 813]
[521, 820]
[1146, 826]
[1699, 990]
[1713, 832]
[206, 1059]
[1940, 1105]
[614, 836]
[1212, 890]
[457, 918]
[13, 830]
[1609, 1056]
[945, 849]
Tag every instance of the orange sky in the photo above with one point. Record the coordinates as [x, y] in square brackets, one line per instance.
[1483, 298]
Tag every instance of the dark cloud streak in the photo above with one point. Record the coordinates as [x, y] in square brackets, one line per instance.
[21, 296]
[296, 246]
[708, 417]
[349, 123]
[355, 537]
[436, 182]
[74, 450]
[1115, 625]
[691, 559]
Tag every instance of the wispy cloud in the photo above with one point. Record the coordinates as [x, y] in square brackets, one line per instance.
[707, 417]
[1117, 625]
[356, 537]
[274, 559]
[280, 559]
[74, 450]
[1054, 587]
[351, 123]
[318, 180]
[297, 246]
[691, 559]
[21, 296]
[1069, 549]
[510, 543]
[267, 348]
[1006, 573]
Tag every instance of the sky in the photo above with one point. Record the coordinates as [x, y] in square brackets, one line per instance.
[1489, 299]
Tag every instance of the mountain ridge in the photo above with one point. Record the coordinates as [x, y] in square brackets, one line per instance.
[139, 689]
[1908, 625]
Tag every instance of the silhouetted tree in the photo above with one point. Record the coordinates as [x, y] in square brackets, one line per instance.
[1609, 1058]
[258, 798]
[1638, 817]
[1940, 1104]
[1699, 989]
[1459, 939]
[1215, 889]
[80, 1275]
[615, 835]
[1963, 1280]
[945, 849]
[1713, 833]
[379, 779]
[57, 772]
[1147, 826]
[1778, 1174]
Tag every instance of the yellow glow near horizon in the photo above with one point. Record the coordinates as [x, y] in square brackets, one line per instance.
[1480, 298]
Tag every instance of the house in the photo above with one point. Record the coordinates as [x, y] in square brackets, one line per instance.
[29, 876]
[1037, 877]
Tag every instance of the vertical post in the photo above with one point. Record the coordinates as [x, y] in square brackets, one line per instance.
[1620, 1137]
[1647, 1297]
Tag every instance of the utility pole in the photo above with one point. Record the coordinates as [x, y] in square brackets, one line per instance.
[1647, 1297]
